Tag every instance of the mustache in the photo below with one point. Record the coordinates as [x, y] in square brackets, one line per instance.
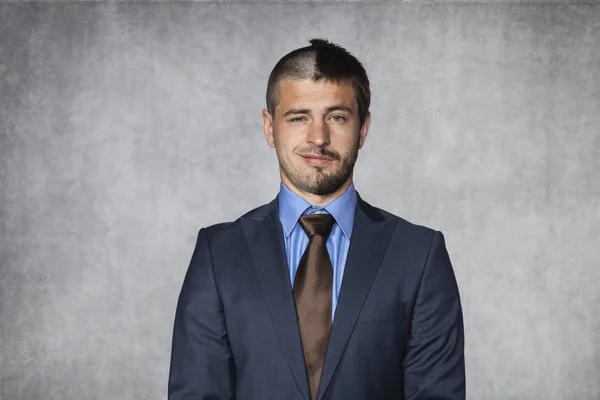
[320, 152]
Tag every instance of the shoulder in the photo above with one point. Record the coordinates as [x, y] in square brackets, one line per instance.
[225, 231]
[408, 239]
[414, 244]
[405, 229]
[405, 226]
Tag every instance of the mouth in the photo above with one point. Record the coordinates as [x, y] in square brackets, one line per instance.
[318, 161]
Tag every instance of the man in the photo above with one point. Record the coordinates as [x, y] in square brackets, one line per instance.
[318, 294]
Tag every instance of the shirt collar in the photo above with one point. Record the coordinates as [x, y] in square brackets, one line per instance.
[292, 206]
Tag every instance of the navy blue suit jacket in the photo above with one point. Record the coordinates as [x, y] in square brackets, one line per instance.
[397, 331]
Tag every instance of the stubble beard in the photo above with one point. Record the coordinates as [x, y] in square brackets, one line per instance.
[319, 182]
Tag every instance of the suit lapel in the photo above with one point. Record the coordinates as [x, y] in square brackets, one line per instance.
[264, 235]
[370, 237]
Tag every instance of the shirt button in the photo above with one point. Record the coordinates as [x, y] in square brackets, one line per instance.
[318, 212]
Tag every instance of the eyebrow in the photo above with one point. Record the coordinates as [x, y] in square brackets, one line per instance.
[297, 111]
[337, 107]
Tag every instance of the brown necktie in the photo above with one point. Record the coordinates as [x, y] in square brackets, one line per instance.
[312, 292]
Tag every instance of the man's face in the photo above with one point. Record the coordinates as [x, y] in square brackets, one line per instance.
[316, 133]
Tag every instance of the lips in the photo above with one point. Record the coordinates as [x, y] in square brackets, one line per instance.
[317, 161]
[316, 157]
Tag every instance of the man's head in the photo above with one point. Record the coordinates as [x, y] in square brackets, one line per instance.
[317, 117]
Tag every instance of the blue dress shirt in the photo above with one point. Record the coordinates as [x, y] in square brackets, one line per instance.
[292, 206]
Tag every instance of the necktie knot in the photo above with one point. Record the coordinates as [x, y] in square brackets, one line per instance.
[317, 224]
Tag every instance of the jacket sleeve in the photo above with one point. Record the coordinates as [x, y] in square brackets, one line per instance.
[202, 365]
[434, 366]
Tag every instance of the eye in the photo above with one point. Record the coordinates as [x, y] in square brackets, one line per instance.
[338, 118]
[298, 119]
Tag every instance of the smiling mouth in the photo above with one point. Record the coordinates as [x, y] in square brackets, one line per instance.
[316, 157]
[316, 160]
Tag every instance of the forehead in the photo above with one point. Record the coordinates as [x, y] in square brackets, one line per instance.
[306, 93]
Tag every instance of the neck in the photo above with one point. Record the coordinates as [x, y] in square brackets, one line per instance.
[315, 199]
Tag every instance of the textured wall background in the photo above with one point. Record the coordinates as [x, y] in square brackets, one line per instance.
[125, 127]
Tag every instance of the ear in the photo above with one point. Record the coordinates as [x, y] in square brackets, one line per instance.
[364, 130]
[267, 121]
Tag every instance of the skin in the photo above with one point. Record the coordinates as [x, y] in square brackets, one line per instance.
[316, 133]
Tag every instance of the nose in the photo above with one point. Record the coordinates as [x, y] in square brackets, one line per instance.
[318, 134]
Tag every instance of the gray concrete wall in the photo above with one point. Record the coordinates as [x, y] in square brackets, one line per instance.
[125, 127]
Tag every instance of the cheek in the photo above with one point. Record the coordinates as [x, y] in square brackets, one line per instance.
[343, 144]
[286, 143]
[285, 149]
[352, 142]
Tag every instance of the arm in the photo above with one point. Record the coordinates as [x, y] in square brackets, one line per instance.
[201, 362]
[434, 366]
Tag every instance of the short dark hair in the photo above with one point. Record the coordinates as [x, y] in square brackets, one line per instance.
[321, 60]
